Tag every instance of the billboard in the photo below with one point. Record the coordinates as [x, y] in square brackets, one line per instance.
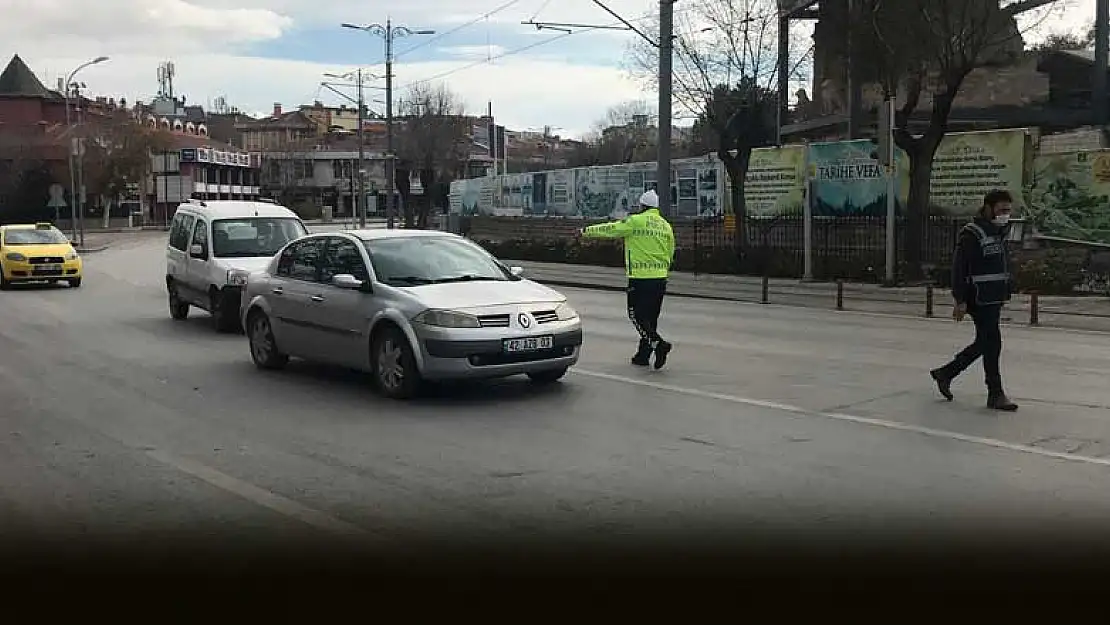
[1070, 195]
[776, 181]
[847, 180]
[968, 165]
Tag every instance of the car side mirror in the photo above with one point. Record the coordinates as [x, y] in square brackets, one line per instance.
[517, 271]
[347, 281]
[198, 251]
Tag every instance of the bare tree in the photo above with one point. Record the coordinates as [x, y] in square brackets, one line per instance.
[920, 52]
[25, 179]
[119, 153]
[725, 68]
[287, 174]
[435, 143]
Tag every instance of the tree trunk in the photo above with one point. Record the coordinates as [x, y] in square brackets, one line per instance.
[917, 208]
[427, 180]
[737, 169]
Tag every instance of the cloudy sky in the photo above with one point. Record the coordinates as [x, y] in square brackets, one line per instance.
[258, 52]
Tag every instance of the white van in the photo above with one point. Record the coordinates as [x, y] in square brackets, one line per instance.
[214, 245]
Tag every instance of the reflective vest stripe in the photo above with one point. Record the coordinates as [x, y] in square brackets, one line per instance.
[990, 277]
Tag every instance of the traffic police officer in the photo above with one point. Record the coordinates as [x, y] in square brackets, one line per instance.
[981, 284]
[648, 254]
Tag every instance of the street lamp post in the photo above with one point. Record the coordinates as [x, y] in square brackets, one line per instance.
[360, 202]
[74, 150]
[389, 32]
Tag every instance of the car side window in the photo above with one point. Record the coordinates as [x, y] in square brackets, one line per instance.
[300, 261]
[200, 234]
[342, 256]
[180, 230]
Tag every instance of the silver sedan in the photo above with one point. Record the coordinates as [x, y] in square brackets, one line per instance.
[407, 306]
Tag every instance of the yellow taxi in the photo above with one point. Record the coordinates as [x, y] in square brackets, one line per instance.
[37, 253]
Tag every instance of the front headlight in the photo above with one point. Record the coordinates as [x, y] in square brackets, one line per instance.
[16, 256]
[564, 312]
[237, 277]
[72, 255]
[447, 319]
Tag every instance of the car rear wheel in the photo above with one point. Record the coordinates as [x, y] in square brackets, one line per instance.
[550, 376]
[395, 369]
[178, 309]
[264, 349]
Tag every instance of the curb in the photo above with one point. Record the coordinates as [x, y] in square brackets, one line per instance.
[593, 286]
[92, 250]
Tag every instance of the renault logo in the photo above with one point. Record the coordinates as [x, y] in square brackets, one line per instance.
[524, 320]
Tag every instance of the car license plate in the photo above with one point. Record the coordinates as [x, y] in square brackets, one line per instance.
[530, 344]
[49, 268]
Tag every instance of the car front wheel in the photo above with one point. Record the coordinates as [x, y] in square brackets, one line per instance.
[178, 309]
[264, 349]
[395, 369]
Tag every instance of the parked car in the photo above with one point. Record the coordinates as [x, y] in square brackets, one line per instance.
[37, 253]
[407, 306]
[214, 245]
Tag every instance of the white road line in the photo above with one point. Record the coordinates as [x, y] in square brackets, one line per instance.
[837, 416]
[260, 496]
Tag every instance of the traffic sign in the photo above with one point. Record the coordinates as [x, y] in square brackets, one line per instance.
[57, 197]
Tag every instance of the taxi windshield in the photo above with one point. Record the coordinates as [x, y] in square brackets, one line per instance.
[34, 236]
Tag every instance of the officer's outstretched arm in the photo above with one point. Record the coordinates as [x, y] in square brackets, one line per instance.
[612, 230]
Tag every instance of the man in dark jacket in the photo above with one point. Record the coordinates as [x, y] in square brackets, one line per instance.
[981, 285]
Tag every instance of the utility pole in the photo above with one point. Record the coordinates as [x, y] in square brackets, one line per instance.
[1102, 51]
[390, 161]
[389, 32]
[75, 144]
[361, 201]
[666, 52]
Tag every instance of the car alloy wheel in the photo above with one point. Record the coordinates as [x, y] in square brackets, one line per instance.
[391, 368]
[264, 350]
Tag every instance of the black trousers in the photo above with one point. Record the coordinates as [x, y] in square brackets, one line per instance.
[987, 345]
[645, 303]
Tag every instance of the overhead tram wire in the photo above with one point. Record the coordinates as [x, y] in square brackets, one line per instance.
[456, 29]
[526, 48]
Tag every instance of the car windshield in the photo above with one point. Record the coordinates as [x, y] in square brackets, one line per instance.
[34, 236]
[413, 261]
[253, 236]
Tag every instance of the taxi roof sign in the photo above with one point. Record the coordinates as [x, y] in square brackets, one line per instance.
[44, 225]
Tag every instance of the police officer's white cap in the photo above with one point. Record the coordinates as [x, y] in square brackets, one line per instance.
[649, 199]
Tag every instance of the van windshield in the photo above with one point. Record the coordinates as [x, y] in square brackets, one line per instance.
[253, 236]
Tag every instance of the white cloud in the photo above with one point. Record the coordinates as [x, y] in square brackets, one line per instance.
[474, 53]
[206, 40]
[524, 93]
[134, 26]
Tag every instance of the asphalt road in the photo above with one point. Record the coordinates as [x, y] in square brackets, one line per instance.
[118, 420]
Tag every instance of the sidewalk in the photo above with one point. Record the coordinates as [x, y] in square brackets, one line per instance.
[1082, 313]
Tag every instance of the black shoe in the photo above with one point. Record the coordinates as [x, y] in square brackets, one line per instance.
[1001, 402]
[643, 356]
[944, 383]
[661, 353]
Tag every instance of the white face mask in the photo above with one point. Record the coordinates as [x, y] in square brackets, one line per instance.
[1001, 220]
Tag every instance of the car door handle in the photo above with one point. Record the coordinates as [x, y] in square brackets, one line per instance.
[317, 298]
[277, 290]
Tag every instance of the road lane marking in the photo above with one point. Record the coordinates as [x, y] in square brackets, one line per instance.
[840, 416]
[260, 496]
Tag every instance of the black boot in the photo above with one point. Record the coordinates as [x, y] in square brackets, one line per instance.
[944, 383]
[643, 355]
[661, 352]
[998, 401]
